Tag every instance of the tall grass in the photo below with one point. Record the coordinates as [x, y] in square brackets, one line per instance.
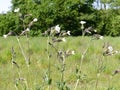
[13, 78]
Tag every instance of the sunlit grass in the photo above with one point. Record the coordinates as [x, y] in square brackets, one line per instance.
[39, 64]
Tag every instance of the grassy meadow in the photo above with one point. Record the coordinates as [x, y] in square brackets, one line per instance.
[87, 69]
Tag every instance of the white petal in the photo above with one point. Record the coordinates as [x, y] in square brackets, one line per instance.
[82, 22]
[68, 32]
[35, 19]
[57, 28]
[17, 10]
[63, 39]
[5, 36]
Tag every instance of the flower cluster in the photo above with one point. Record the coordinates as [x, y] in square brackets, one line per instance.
[108, 50]
[8, 34]
[97, 36]
[63, 54]
[90, 30]
[56, 30]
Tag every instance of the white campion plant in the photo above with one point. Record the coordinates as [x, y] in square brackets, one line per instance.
[57, 28]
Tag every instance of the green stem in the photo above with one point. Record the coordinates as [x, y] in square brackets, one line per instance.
[76, 84]
[23, 53]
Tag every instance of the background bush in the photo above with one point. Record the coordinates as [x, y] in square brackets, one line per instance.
[66, 13]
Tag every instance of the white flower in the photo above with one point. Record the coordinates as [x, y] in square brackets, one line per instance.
[35, 20]
[17, 10]
[116, 52]
[73, 52]
[57, 28]
[110, 48]
[82, 22]
[5, 36]
[101, 37]
[28, 29]
[63, 39]
[95, 30]
[68, 32]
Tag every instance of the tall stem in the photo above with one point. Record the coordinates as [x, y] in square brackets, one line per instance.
[49, 68]
[23, 53]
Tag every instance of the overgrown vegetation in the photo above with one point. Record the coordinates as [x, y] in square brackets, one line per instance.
[56, 61]
[96, 71]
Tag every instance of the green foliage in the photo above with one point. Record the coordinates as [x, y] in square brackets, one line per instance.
[66, 13]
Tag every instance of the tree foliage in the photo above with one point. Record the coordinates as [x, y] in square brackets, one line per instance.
[66, 13]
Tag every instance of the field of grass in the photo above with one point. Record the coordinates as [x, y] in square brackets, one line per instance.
[94, 72]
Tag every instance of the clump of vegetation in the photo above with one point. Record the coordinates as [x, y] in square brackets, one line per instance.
[57, 61]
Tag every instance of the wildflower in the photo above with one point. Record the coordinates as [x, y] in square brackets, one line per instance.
[110, 48]
[69, 52]
[73, 52]
[5, 36]
[63, 39]
[90, 30]
[68, 32]
[35, 20]
[25, 31]
[97, 36]
[95, 30]
[28, 29]
[82, 22]
[116, 52]
[64, 33]
[57, 29]
[17, 10]
[101, 37]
